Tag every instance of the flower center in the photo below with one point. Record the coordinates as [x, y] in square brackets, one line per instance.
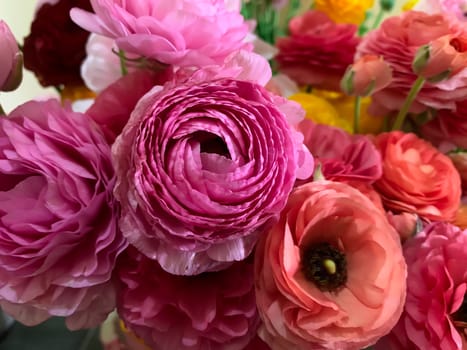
[210, 143]
[459, 318]
[325, 266]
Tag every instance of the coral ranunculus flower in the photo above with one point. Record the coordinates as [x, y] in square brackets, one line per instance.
[330, 274]
[176, 32]
[203, 169]
[318, 51]
[58, 218]
[435, 312]
[214, 310]
[417, 178]
[397, 40]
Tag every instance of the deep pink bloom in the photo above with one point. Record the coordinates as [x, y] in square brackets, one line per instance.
[449, 129]
[343, 157]
[436, 292]
[177, 32]
[113, 106]
[214, 310]
[11, 60]
[203, 168]
[317, 51]
[58, 219]
[397, 41]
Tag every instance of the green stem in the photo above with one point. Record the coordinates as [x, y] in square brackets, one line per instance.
[378, 19]
[121, 55]
[356, 115]
[416, 87]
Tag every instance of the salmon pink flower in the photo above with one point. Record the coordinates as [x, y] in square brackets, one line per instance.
[330, 274]
[417, 178]
[174, 32]
[435, 312]
[397, 40]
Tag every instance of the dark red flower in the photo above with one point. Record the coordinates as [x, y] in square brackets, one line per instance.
[55, 47]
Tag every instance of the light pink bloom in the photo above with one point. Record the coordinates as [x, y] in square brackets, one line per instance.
[215, 311]
[203, 168]
[176, 32]
[436, 291]
[459, 159]
[341, 155]
[456, 8]
[321, 220]
[58, 218]
[397, 41]
[101, 67]
[11, 60]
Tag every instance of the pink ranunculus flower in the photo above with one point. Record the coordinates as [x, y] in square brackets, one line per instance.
[448, 130]
[453, 7]
[58, 218]
[366, 76]
[203, 169]
[435, 310]
[330, 274]
[175, 32]
[318, 51]
[397, 41]
[214, 310]
[343, 157]
[11, 59]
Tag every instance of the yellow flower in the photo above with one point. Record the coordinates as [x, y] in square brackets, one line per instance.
[409, 5]
[76, 92]
[345, 11]
[321, 111]
[344, 105]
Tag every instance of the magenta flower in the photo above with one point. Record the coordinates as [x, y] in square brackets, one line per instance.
[343, 157]
[11, 60]
[203, 169]
[214, 310]
[58, 218]
[435, 312]
[178, 32]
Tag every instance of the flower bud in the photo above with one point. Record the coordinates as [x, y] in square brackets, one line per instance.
[441, 58]
[366, 76]
[386, 5]
[11, 69]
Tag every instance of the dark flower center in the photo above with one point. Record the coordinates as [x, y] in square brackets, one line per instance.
[325, 266]
[210, 143]
[459, 318]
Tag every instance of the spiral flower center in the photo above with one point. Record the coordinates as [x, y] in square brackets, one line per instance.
[325, 266]
[459, 318]
[210, 143]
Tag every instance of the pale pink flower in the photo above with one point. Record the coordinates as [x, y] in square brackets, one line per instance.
[58, 218]
[435, 308]
[397, 40]
[456, 8]
[101, 67]
[177, 32]
[11, 60]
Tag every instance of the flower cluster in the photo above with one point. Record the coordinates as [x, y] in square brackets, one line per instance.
[298, 181]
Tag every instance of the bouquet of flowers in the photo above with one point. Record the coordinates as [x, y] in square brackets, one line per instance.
[232, 175]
